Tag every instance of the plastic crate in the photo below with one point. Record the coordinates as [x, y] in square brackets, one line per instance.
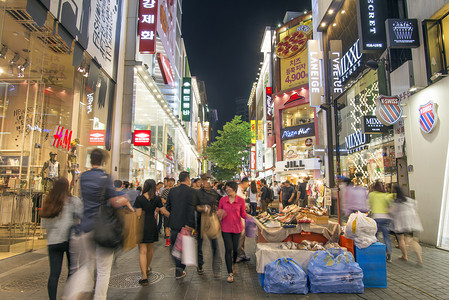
[347, 243]
[373, 262]
[261, 277]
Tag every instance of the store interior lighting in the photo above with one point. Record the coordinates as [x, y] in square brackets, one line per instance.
[3, 51]
[15, 59]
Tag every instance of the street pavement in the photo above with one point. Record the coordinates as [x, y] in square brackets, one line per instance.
[25, 277]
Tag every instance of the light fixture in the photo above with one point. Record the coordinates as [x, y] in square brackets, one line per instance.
[279, 25]
[335, 24]
[330, 11]
[140, 68]
[343, 11]
[99, 84]
[145, 77]
[323, 24]
[3, 51]
[1, 71]
[15, 59]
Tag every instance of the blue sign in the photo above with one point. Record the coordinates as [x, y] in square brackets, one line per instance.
[300, 131]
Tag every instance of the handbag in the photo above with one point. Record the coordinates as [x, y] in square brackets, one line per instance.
[210, 226]
[107, 229]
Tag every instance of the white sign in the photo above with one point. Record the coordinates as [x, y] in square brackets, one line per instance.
[399, 138]
[350, 61]
[259, 155]
[315, 73]
[297, 165]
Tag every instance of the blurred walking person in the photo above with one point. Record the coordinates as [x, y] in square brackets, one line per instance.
[380, 203]
[231, 210]
[164, 196]
[96, 186]
[406, 221]
[264, 195]
[241, 192]
[181, 204]
[60, 212]
[252, 195]
[145, 207]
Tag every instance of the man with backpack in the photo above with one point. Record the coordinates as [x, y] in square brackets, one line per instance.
[266, 195]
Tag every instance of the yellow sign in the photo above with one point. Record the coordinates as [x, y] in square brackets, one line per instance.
[260, 130]
[253, 131]
[292, 53]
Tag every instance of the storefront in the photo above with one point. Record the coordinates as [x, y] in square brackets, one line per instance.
[56, 105]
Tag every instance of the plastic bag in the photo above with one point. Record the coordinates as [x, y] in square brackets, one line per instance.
[250, 228]
[334, 271]
[189, 255]
[361, 229]
[285, 276]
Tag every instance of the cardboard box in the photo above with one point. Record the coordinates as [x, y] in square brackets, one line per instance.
[318, 219]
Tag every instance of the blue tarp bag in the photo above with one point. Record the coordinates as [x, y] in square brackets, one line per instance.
[335, 271]
[285, 276]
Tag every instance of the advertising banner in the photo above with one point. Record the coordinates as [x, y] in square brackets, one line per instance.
[166, 27]
[146, 29]
[94, 24]
[260, 130]
[253, 158]
[259, 155]
[298, 165]
[292, 53]
[186, 98]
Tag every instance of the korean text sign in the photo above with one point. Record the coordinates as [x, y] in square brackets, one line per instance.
[186, 98]
[147, 26]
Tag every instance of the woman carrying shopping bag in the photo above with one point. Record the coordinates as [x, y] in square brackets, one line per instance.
[145, 207]
[60, 212]
[231, 210]
[406, 221]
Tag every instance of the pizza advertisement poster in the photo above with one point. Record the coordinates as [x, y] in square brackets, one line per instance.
[292, 53]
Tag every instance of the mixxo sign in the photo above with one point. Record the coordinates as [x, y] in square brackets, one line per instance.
[356, 142]
[186, 98]
[350, 62]
[372, 125]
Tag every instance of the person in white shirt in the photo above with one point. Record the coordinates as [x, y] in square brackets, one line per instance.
[276, 190]
[243, 186]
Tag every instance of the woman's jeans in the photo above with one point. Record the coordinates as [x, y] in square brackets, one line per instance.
[253, 206]
[231, 242]
[383, 226]
[56, 256]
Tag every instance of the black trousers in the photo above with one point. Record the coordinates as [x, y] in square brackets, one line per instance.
[253, 207]
[56, 255]
[231, 242]
[179, 266]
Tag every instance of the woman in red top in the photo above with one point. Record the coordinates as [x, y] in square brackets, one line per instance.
[231, 210]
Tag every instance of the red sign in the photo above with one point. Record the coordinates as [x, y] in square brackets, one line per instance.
[97, 137]
[309, 142]
[62, 138]
[142, 138]
[167, 74]
[253, 158]
[147, 26]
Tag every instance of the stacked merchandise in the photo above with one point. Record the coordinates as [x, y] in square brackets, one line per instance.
[334, 271]
[292, 215]
[285, 276]
[309, 246]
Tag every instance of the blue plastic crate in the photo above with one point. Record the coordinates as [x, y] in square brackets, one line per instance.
[261, 277]
[373, 262]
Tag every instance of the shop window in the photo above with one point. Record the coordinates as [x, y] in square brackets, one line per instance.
[298, 148]
[297, 115]
[436, 43]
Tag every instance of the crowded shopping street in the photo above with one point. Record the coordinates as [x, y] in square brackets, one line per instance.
[170, 149]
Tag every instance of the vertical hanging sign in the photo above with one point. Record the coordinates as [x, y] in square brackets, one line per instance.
[253, 132]
[335, 58]
[315, 73]
[186, 98]
[269, 116]
[147, 26]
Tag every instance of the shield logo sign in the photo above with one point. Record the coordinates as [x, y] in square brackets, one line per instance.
[388, 109]
[427, 117]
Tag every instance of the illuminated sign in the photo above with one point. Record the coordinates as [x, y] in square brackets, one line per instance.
[356, 142]
[372, 125]
[371, 15]
[253, 158]
[62, 138]
[297, 165]
[97, 137]
[165, 67]
[142, 138]
[335, 59]
[350, 62]
[388, 109]
[147, 26]
[253, 131]
[186, 98]
[259, 130]
[402, 33]
[206, 131]
[315, 72]
[259, 155]
[300, 131]
[269, 103]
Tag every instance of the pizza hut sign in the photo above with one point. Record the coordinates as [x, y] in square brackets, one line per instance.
[142, 138]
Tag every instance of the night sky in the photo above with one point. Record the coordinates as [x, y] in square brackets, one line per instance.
[223, 40]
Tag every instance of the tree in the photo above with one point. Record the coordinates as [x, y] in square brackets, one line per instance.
[230, 151]
[222, 173]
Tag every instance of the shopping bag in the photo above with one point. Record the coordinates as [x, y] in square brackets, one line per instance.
[285, 276]
[130, 223]
[210, 226]
[250, 228]
[362, 229]
[334, 271]
[189, 251]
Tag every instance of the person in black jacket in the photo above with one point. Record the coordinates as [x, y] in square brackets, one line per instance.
[181, 203]
[209, 200]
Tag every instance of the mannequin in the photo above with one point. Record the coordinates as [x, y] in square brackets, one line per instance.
[50, 171]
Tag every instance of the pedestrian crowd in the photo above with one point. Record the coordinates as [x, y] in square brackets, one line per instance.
[112, 214]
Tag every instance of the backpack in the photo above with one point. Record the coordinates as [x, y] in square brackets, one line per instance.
[270, 195]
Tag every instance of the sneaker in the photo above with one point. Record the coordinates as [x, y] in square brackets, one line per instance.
[143, 282]
[167, 242]
[230, 278]
[200, 270]
[182, 275]
[389, 258]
